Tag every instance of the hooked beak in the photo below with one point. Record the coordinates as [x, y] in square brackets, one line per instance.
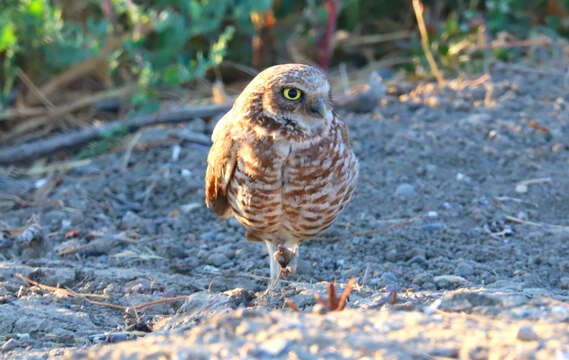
[319, 107]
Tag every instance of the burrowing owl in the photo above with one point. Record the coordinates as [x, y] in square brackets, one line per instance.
[281, 162]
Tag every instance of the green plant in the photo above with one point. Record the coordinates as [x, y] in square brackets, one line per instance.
[155, 43]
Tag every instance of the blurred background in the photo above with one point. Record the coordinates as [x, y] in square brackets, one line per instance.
[66, 64]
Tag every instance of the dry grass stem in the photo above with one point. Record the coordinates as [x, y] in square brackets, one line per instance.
[131, 144]
[418, 8]
[62, 166]
[531, 223]
[365, 40]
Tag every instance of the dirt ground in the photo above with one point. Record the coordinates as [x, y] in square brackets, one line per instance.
[480, 169]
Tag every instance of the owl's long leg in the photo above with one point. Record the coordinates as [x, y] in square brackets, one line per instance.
[275, 266]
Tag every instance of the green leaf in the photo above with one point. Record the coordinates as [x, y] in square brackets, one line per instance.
[219, 47]
[35, 8]
[7, 37]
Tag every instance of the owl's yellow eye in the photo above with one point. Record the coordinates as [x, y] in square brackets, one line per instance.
[292, 94]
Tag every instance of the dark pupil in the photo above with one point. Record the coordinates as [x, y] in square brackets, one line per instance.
[292, 93]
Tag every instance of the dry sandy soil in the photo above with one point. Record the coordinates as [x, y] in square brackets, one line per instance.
[479, 169]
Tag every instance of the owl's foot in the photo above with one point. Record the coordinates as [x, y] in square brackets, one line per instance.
[284, 257]
[283, 262]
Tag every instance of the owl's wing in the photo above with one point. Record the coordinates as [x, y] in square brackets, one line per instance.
[220, 166]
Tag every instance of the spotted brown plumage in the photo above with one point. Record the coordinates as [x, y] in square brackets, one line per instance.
[283, 168]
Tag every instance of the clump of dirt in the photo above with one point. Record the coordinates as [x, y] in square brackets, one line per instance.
[474, 173]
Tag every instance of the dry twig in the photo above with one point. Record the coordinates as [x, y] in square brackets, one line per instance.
[71, 293]
[59, 290]
[531, 223]
[29, 151]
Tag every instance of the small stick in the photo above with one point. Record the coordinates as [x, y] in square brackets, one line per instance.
[79, 248]
[531, 223]
[95, 302]
[418, 8]
[30, 85]
[56, 289]
[160, 301]
[519, 201]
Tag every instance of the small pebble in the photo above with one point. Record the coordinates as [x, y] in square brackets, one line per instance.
[176, 149]
[39, 183]
[433, 227]
[464, 269]
[389, 278]
[432, 214]
[564, 283]
[526, 333]
[405, 191]
[210, 268]
[417, 259]
[208, 236]
[521, 188]
[190, 207]
[217, 259]
[23, 337]
[422, 278]
[131, 220]
[449, 281]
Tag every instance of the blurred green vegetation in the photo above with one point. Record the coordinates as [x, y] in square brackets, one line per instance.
[172, 42]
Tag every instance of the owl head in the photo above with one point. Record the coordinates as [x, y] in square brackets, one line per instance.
[295, 96]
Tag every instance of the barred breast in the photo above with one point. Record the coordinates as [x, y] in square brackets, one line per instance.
[287, 190]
